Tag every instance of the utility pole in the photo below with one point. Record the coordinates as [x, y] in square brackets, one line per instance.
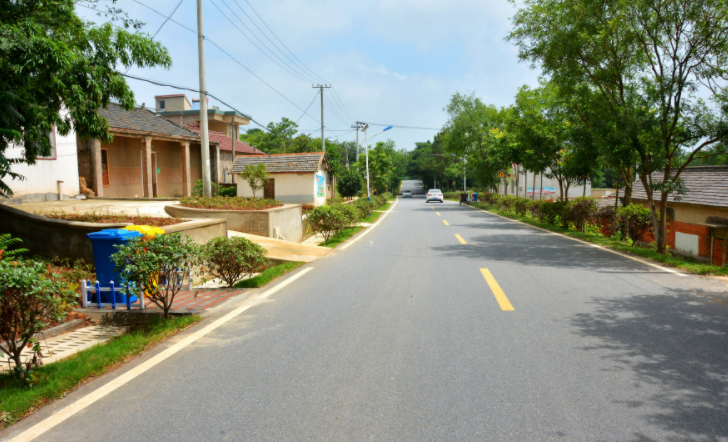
[321, 87]
[205, 147]
[359, 125]
[366, 147]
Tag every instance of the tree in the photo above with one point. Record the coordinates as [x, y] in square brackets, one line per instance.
[349, 183]
[58, 70]
[232, 259]
[651, 62]
[256, 175]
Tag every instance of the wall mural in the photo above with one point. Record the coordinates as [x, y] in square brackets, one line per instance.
[319, 185]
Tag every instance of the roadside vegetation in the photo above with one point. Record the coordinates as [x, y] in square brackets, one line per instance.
[229, 203]
[102, 218]
[617, 228]
[53, 381]
[338, 222]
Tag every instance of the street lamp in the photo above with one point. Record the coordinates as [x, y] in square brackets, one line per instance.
[366, 150]
[465, 162]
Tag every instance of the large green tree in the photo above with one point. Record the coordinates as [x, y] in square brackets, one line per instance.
[659, 68]
[57, 69]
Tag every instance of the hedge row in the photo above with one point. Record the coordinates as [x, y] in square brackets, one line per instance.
[331, 219]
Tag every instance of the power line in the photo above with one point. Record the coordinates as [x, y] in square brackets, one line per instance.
[335, 112]
[284, 67]
[342, 104]
[160, 26]
[405, 127]
[233, 58]
[309, 105]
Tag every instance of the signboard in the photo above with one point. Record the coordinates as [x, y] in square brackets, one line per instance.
[319, 185]
[501, 174]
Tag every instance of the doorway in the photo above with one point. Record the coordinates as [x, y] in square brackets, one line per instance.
[269, 191]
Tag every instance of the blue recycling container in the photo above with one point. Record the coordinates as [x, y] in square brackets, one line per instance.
[103, 243]
[475, 197]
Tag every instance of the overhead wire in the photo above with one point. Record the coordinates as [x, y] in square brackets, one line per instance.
[231, 57]
[405, 127]
[166, 19]
[309, 105]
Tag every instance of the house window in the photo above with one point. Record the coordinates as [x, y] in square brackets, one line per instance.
[161, 104]
[52, 139]
[105, 167]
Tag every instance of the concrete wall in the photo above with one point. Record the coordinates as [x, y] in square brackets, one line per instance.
[550, 186]
[258, 222]
[292, 188]
[41, 179]
[67, 239]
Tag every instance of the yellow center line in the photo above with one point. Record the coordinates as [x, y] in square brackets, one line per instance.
[438, 213]
[446, 223]
[503, 301]
[460, 238]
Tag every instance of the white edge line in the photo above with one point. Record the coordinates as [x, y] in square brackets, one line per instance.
[65, 413]
[606, 249]
[369, 229]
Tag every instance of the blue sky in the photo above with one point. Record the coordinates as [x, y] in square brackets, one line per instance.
[390, 61]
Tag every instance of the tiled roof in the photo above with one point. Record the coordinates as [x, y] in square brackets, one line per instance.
[706, 185]
[284, 162]
[143, 120]
[226, 142]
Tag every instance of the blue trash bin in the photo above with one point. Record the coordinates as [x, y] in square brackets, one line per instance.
[475, 197]
[103, 243]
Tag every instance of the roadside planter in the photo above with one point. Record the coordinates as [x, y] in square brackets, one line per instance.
[282, 222]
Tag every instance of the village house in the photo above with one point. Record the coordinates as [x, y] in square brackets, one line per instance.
[52, 177]
[150, 156]
[178, 109]
[225, 152]
[697, 221]
[297, 178]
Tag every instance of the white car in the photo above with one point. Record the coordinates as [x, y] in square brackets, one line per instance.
[434, 195]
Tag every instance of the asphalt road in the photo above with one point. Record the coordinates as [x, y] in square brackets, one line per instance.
[401, 337]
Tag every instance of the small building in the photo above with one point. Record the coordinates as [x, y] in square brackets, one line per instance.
[697, 221]
[296, 178]
[52, 177]
[150, 156]
[178, 109]
[225, 160]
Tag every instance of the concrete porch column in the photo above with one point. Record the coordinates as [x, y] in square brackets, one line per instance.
[217, 177]
[186, 184]
[97, 172]
[147, 166]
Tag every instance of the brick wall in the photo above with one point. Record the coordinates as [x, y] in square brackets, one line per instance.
[703, 233]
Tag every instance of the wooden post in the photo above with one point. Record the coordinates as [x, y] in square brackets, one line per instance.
[186, 184]
[147, 166]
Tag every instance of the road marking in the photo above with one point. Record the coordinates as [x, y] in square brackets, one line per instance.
[503, 301]
[460, 238]
[446, 223]
[55, 419]
[438, 213]
[369, 229]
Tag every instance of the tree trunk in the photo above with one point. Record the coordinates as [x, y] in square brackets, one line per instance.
[540, 192]
[533, 189]
[651, 201]
[627, 176]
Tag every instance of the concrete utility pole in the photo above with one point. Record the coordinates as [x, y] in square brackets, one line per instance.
[359, 125]
[321, 87]
[205, 148]
[366, 147]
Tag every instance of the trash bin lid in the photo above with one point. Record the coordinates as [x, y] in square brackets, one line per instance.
[113, 234]
[146, 230]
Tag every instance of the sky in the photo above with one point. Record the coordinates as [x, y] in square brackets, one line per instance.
[389, 61]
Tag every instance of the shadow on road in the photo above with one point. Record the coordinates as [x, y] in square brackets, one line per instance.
[678, 343]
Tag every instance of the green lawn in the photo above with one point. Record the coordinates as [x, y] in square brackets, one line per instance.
[269, 275]
[342, 236]
[372, 217]
[54, 380]
[616, 243]
[384, 206]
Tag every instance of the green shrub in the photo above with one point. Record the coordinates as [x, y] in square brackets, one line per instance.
[230, 191]
[334, 201]
[228, 203]
[30, 299]
[387, 196]
[636, 221]
[550, 210]
[351, 214]
[158, 265]
[349, 183]
[198, 190]
[520, 205]
[363, 206]
[232, 259]
[326, 220]
[7, 241]
[506, 202]
[534, 207]
[581, 210]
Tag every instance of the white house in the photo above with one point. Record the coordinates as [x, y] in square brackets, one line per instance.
[51, 178]
[296, 178]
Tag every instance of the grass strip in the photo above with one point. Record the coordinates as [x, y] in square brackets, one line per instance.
[616, 243]
[384, 206]
[53, 381]
[269, 275]
[342, 236]
[372, 217]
